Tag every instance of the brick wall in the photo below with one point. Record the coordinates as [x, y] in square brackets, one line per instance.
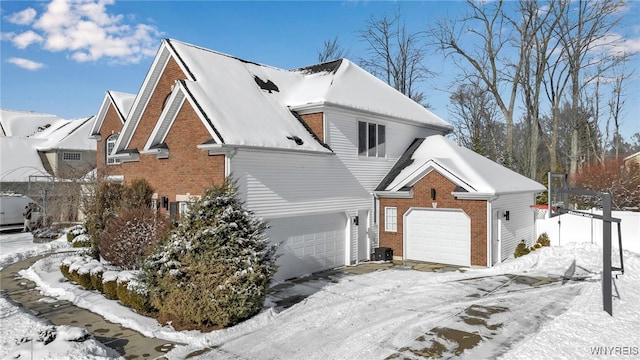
[188, 169]
[475, 209]
[315, 123]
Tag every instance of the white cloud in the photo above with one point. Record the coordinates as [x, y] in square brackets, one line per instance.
[22, 41]
[24, 17]
[25, 63]
[88, 32]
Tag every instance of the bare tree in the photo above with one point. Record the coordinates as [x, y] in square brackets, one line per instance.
[584, 31]
[474, 115]
[331, 50]
[477, 43]
[395, 54]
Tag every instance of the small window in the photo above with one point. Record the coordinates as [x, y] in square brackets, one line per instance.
[390, 218]
[184, 208]
[371, 140]
[72, 156]
[109, 145]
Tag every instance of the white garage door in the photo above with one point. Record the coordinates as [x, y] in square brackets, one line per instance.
[308, 243]
[441, 236]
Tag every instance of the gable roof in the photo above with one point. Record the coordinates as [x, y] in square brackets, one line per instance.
[474, 174]
[71, 135]
[122, 103]
[242, 103]
[344, 84]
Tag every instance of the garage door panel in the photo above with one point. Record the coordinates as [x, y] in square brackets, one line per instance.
[438, 236]
[308, 243]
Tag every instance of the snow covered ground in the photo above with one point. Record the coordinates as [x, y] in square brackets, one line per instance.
[372, 316]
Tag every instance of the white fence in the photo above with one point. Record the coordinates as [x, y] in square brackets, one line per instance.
[567, 228]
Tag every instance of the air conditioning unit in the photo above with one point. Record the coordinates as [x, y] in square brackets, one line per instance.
[383, 254]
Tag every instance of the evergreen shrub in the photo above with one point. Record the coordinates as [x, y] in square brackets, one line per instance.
[215, 267]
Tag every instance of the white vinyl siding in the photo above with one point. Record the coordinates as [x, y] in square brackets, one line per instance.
[342, 137]
[391, 219]
[520, 225]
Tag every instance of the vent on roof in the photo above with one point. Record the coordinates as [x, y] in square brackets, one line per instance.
[460, 189]
[296, 139]
[266, 85]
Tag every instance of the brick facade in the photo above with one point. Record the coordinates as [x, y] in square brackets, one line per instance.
[315, 122]
[475, 209]
[187, 170]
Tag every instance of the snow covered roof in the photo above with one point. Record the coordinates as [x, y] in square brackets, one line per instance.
[343, 83]
[474, 173]
[243, 103]
[33, 132]
[122, 102]
[19, 159]
[24, 123]
[70, 135]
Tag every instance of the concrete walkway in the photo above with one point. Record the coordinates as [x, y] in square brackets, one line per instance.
[128, 343]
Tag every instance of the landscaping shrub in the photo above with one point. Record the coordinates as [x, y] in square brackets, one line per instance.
[96, 278]
[544, 240]
[215, 268]
[138, 194]
[76, 231]
[521, 249]
[110, 284]
[130, 236]
[81, 241]
[138, 297]
[100, 207]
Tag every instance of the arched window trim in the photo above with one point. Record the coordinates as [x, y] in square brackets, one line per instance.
[109, 144]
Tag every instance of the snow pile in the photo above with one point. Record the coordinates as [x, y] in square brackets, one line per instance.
[24, 336]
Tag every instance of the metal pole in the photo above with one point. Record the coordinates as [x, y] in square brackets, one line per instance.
[607, 298]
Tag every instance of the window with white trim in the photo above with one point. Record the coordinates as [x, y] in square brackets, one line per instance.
[390, 218]
[110, 143]
[185, 206]
[371, 140]
[72, 156]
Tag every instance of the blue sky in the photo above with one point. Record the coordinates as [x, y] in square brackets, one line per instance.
[60, 62]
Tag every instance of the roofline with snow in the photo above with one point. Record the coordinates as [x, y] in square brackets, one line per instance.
[320, 105]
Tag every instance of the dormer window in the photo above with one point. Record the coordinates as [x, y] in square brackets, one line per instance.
[371, 140]
[110, 143]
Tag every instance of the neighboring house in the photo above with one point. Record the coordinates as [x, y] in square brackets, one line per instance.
[445, 203]
[44, 145]
[307, 147]
[633, 158]
[39, 150]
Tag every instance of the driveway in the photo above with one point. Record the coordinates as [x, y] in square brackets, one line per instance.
[398, 312]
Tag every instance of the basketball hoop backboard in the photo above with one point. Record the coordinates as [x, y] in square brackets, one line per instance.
[558, 196]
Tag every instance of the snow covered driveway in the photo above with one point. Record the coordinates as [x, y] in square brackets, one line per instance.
[409, 314]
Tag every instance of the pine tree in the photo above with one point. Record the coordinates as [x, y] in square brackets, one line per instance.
[216, 266]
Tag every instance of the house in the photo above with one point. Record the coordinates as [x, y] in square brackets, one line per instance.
[307, 147]
[445, 203]
[41, 147]
[631, 159]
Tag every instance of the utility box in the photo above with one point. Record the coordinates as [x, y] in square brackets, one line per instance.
[383, 254]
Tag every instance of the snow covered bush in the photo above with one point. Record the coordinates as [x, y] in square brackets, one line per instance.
[75, 231]
[544, 240]
[214, 269]
[521, 249]
[130, 235]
